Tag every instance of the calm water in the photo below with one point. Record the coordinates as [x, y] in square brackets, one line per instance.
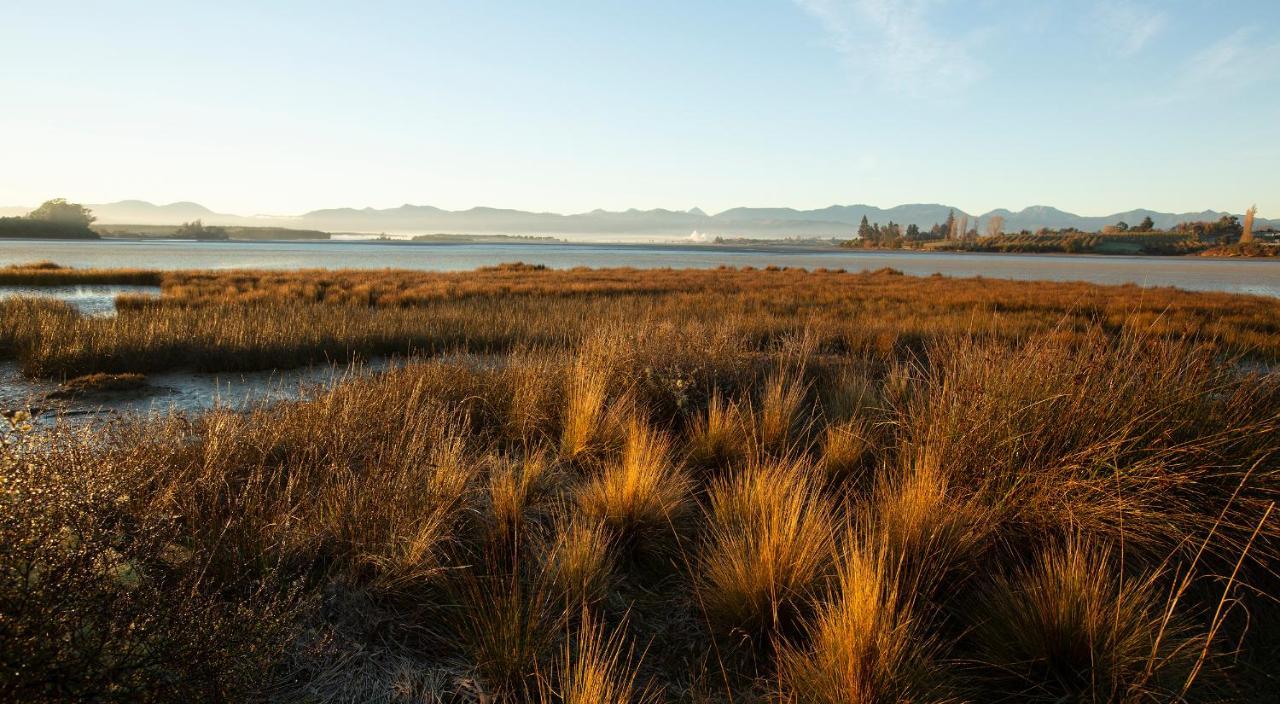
[1200, 274]
[174, 391]
[88, 300]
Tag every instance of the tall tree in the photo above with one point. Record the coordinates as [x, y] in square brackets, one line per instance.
[995, 225]
[1147, 225]
[949, 227]
[60, 211]
[1246, 234]
[866, 233]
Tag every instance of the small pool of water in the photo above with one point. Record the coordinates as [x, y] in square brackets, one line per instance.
[88, 300]
[180, 391]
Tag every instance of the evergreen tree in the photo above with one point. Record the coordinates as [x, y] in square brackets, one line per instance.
[866, 232]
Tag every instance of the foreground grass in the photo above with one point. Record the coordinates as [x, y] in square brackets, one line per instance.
[657, 502]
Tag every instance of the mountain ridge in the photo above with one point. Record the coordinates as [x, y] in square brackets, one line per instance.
[839, 221]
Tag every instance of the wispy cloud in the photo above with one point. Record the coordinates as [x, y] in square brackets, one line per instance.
[1233, 63]
[1128, 26]
[894, 42]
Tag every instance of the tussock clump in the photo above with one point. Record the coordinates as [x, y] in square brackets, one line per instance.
[930, 531]
[505, 624]
[1070, 627]
[767, 549]
[778, 417]
[849, 451]
[642, 498]
[868, 643]
[593, 668]
[515, 489]
[579, 560]
[849, 393]
[534, 389]
[582, 432]
[719, 438]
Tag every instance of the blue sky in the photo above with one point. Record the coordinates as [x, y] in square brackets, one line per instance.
[280, 107]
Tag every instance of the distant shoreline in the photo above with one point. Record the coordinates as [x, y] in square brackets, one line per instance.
[765, 246]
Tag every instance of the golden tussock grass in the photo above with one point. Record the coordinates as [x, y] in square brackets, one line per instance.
[768, 547]
[866, 644]
[774, 485]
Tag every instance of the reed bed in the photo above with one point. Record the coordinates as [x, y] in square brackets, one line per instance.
[45, 273]
[688, 496]
[241, 320]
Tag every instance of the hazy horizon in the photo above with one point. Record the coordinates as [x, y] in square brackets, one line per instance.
[1091, 107]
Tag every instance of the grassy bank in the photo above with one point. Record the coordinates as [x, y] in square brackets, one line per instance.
[660, 508]
[243, 320]
[232, 232]
[1148, 243]
[53, 274]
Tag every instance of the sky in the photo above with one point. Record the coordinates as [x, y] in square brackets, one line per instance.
[282, 107]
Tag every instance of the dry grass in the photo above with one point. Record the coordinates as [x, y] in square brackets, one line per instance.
[1069, 626]
[46, 273]
[101, 383]
[580, 561]
[640, 499]
[769, 545]
[593, 669]
[256, 320]
[778, 491]
[866, 644]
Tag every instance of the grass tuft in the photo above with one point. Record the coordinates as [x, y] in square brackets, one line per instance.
[767, 550]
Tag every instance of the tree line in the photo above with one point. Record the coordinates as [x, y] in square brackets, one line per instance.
[1227, 229]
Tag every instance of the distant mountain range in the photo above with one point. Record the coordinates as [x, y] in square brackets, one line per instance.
[836, 221]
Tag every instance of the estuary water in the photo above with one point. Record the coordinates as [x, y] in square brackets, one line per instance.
[1255, 276]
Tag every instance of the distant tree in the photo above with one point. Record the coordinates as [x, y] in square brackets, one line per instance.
[1147, 225]
[995, 225]
[1226, 228]
[949, 226]
[1122, 226]
[197, 230]
[865, 231]
[60, 211]
[913, 232]
[1246, 232]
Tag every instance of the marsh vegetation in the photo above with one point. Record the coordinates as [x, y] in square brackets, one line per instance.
[691, 486]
